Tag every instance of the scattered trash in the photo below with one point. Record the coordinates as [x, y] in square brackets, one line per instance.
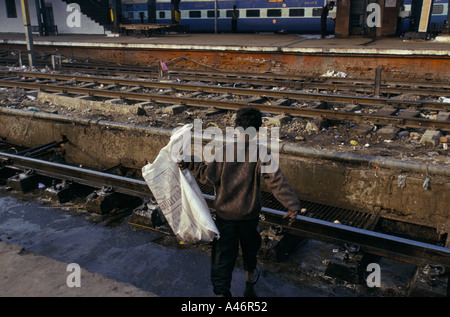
[444, 99]
[401, 181]
[332, 73]
[426, 183]
[33, 109]
[377, 169]
[213, 124]
[353, 142]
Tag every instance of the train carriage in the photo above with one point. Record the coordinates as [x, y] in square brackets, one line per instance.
[293, 16]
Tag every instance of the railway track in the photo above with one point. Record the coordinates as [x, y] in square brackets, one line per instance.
[354, 227]
[370, 110]
[388, 88]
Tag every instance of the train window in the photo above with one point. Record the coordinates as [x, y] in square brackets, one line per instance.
[438, 9]
[317, 12]
[296, 12]
[11, 11]
[230, 13]
[211, 14]
[195, 14]
[274, 13]
[252, 13]
[162, 15]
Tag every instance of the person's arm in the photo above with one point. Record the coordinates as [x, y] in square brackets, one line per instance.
[204, 173]
[283, 192]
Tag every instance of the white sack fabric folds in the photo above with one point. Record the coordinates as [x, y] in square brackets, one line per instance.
[178, 194]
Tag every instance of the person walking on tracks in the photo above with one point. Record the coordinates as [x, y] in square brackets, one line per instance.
[238, 204]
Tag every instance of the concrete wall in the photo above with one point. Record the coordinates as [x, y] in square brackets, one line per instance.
[15, 25]
[103, 144]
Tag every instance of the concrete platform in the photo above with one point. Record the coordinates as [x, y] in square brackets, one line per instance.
[25, 274]
[264, 52]
[262, 42]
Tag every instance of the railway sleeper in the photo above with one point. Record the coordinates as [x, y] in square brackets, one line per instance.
[23, 181]
[107, 201]
[430, 281]
[60, 192]
[349, 264]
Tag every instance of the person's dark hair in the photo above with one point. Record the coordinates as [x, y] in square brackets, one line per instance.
[332, 3]
[248, 117]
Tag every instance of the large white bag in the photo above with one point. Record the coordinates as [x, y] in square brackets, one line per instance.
[178, 194]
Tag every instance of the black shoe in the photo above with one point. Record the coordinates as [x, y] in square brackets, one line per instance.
[252, 277]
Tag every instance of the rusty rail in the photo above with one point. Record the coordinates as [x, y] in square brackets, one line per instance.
[233, 105]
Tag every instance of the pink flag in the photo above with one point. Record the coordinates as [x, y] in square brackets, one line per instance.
[164, 66]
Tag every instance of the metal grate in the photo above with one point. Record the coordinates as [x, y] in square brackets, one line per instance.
[353, 218]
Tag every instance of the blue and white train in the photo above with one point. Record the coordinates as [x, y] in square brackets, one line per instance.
[293, 16]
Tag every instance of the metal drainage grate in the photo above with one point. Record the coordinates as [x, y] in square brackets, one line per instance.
[353, 218]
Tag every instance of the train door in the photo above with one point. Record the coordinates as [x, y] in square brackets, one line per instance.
[49, 22]
[358, 17]
[175, 9]
[416, 11]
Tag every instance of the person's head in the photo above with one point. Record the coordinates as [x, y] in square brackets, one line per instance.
[331, 5]
[248, 117]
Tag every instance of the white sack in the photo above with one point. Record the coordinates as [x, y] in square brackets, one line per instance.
[178, 194]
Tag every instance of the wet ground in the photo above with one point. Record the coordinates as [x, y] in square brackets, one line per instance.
[157, 263]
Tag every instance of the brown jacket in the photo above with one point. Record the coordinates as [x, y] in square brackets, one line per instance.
[237, 186]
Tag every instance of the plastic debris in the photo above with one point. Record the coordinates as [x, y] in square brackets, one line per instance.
[353, 142]
[332, 73]
[426, 183]
[401, 181]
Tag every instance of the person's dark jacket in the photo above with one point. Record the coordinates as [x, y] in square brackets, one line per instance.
[237, 185]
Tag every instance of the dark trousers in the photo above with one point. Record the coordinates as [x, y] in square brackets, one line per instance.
[234, 26]
[323, 29]
[225, 251]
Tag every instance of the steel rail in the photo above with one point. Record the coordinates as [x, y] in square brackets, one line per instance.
[329, 83]
[387, 87]
[401, 249]
[363, 100]
[222, 74]
[232, 105]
